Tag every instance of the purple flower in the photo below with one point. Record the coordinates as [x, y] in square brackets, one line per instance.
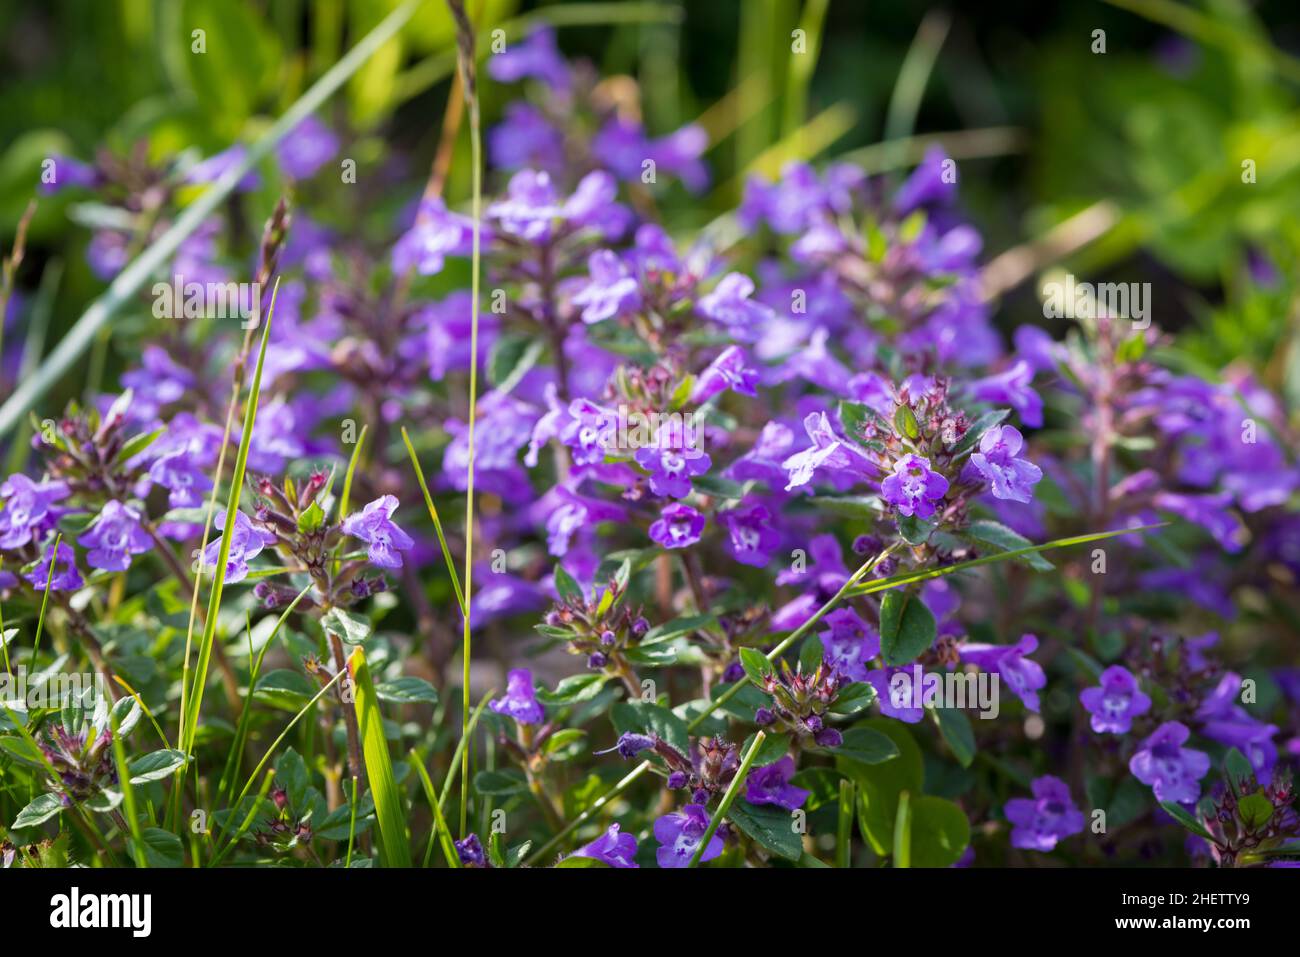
[771, 785]
[114, 537]
[727, 371]
[177, 473]
[70, 172]
[623, 148]
[1174, 772]
[827, 451]
[751, 539]
[630, 744]
[1116, 703]
[570, 512]
[1039, 824]
[1227, 722]
[901, 702]
[671, 468]
[680, 834]
[913, 488]
[160, 380]
[678, 526]
[470, 851]
[537, 56]
[1010, 663]
[437, 233]
[927, 186]
[849, 645]
[1209, 511]
[1011, 478]
[27, 508]
[615, 849]
[66, 577]
[520, 700]
[590, 430]
[532, 210]
[246, 543]
[308, 147]
[612, 290]
[214, 167]
[730, 305]
[375, 526]
[526, 138]
[1012, 387]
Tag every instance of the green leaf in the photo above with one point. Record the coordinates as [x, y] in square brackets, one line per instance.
[907, 628]
[977, 429]
[956, 730]
[915, 531]
[940, 832]
[573, 689]
[855, 417]
[394, 846]
[137, 444]
[577, 860]
[350, 628]
[756, 665]
[1239, 769]
[880, 784]
[155, 765]
[500, 783]
[853, 697]
[769, 826]
[866, 746]
[811, 654]
[39, 811]
[282, 681]
[407, 690]
[570, 591]
[677, 628]
[998, 535]
[1180, 815]
[1255, 810]
[161, 848]
[311, 518]
[511, 358]
[905, 423]
[646, 717]
[772, 750]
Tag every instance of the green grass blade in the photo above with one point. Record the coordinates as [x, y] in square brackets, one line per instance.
[45, 600]
[227, 784]
[190, 719]
[122, 290]
[128, 800]
[915, 74]
[732, 790]
[394, 845]
[885, 584]
[469, 84]
[258, 770]
[903, 831]
[802, 66]
[844, 832]
[437, 522]
[439, 821]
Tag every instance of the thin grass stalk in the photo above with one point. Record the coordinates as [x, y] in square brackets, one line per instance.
[144, 267]
[732, 790]
[469, 83]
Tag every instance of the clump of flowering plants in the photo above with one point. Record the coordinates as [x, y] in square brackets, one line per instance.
[758, 545]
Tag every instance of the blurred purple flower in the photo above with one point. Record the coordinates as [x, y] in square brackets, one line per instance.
[374, 525]
[1116, 702]
[1174, 772]
[681, 833]
[520, 700]
[1038, 824]
[114, 537]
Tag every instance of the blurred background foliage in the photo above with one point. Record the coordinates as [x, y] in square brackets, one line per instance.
[1155, 129]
